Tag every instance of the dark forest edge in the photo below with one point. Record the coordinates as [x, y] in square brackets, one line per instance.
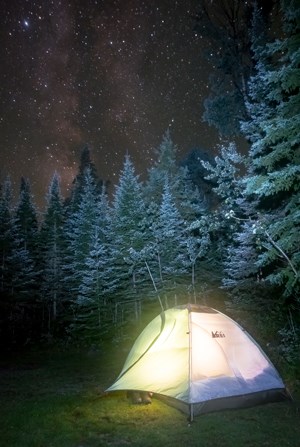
[81, 269]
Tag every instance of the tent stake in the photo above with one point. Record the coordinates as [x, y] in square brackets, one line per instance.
[191, 412]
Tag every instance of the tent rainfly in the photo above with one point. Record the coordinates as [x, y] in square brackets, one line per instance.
[199, 360]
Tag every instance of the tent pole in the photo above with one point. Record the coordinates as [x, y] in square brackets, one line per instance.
[190, 361]
[154, 285]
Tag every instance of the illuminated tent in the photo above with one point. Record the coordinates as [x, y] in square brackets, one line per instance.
[200, 360]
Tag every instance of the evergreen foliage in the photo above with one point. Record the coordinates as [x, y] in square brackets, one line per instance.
[225, 24]
[20, 267]
[79, 231]
[164, 167]
[197, 174]
[274, 161]
[52, 247]
[94, 299]
[25, 219]
[88, 256]
[78, 185]
[167, 231]
[225, 221]
[94, 311]
[261, 202]
[127, 228]
[6, 238]
[24, 257]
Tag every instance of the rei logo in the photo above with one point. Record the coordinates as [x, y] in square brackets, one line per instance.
[217, 334]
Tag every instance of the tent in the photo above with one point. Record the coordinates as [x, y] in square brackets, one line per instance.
[200, 360]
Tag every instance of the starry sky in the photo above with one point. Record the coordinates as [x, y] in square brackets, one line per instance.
[111, 74]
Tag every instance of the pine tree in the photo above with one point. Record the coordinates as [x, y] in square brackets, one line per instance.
[188, 199]
[94, 313]
[85, 164]
[6, 241]
[197, 175]
[191, 203]
[26, 219]
[23, 277]
[194, 209]
[164, 167]
[244, 247]
[21, 291]
[22, 266]
[52, 246]
[168, 236]
[128, 230]
[25, 245]
[225, 25]
[274, 167]
[5, 231]
[98, 283]
[79, 230]
[227, 173]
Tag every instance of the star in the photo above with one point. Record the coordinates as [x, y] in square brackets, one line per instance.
[111, 75]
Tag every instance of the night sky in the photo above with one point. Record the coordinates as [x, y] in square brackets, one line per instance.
[111, 74]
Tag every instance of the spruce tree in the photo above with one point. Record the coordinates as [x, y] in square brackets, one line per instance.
[94, 303]
[25, 219]
[79, 230]
[25, 246]
[164, 166]
[226, 28]
[227, 173]
[128, 230]
[197, 175]
[52, 246]
[86, 163]
[169, 239]
[98, 283]
[6, 268]
[274, 167]
[188, 199]
[22, 291]
[5, 231]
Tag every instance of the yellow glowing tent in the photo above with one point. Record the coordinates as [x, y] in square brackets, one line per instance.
[200, 360]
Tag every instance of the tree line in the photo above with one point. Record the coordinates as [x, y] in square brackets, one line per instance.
[68, 270]
[66, 274]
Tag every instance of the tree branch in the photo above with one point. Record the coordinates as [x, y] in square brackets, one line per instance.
[281, 252]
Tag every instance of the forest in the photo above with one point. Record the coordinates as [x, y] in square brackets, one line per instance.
[89, 261]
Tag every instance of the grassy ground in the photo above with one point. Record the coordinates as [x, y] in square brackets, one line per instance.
[56, 399]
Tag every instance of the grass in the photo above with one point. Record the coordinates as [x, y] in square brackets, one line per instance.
[57, 399]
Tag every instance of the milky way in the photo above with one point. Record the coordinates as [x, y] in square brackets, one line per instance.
[111, 74]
